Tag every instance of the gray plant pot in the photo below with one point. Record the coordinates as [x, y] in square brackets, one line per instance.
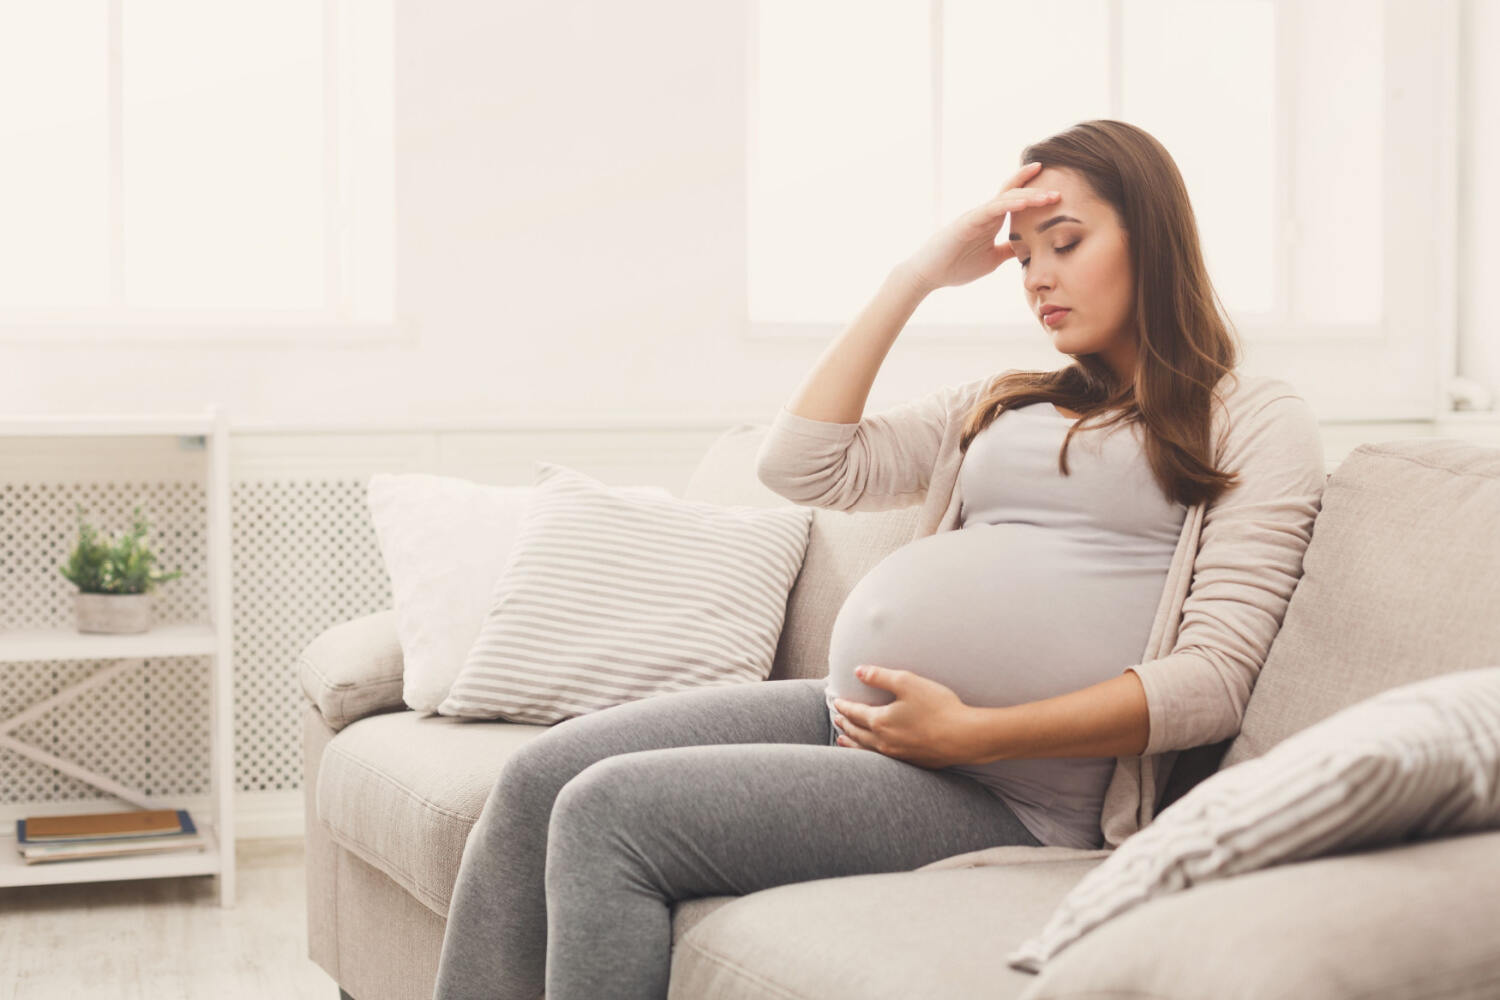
[113, 612]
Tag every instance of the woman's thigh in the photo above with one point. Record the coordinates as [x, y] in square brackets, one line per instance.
[779, 711]
[734, 819]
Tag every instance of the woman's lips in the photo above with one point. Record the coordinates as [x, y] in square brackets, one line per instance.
[1055, 317]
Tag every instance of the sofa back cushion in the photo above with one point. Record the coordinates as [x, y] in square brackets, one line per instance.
[841, 548]
[1399, 583]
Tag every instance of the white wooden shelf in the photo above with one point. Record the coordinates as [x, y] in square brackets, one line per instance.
[189, 861]
[213, 816]
[19, 645]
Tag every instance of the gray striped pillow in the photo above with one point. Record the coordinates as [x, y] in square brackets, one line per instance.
[611, 596]
[1416, 761]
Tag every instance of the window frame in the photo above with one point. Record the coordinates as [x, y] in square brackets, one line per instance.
[339, 320]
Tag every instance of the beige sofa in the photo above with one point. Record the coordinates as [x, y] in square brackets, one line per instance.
[1402, 581]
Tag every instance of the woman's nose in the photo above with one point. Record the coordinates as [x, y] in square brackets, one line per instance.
[1037, 278]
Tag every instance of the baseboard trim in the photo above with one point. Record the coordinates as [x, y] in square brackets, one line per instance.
[260, 815]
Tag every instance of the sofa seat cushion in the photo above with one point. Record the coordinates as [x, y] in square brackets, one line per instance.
[403, 789]
[892, 936]
[1413, 920]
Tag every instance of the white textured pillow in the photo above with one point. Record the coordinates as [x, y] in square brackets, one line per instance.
[444, 541]
[1416, 761]
[612, 597]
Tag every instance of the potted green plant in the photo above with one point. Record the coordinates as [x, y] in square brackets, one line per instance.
[114, 579]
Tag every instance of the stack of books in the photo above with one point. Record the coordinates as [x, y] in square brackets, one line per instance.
[99, 835]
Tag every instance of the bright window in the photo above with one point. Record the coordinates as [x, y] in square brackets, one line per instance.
[196, 162]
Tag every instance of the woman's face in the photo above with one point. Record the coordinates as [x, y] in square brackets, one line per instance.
[1081, 263]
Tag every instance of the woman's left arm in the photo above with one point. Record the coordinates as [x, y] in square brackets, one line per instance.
[1102, 720]
[1248, 564]
[927, 725]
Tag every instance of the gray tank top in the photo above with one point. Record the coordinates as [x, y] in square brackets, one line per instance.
[1050, 585]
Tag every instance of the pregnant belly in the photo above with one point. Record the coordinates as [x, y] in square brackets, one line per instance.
[1000, 613]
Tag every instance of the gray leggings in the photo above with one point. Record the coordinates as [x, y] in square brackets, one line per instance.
[599, 824]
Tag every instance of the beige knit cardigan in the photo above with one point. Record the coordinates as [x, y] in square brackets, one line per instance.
[1232, 574]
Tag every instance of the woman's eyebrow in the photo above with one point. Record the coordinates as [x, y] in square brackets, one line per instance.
[1055, 220]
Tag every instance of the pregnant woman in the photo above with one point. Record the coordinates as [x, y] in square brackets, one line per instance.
[986, 683]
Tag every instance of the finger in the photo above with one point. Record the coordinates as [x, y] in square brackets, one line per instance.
[847, 714]
[1024, 197]
[854, 731]
[852, 710]
[1003, 251]
[1016, 178]
[1015, 200]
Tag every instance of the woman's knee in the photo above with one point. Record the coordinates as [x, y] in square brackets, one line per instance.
[613, 795]
[534, 772]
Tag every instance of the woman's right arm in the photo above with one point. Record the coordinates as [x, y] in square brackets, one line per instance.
[839, 385]
[820, 451]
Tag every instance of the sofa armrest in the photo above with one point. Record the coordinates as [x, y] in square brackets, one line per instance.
[353, 669]
[1405, 920]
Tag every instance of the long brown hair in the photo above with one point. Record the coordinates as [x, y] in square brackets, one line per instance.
[1186, 344]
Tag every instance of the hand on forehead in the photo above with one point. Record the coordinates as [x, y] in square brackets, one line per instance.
[1032, 221]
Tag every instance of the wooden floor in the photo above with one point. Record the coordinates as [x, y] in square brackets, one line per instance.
[165, 938]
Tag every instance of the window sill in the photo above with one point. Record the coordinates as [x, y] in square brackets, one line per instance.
[247, 334]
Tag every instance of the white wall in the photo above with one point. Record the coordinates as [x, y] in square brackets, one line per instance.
[570, 184]
[1479, 196]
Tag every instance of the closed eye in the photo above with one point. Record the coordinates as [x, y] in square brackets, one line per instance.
[1065, 249]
